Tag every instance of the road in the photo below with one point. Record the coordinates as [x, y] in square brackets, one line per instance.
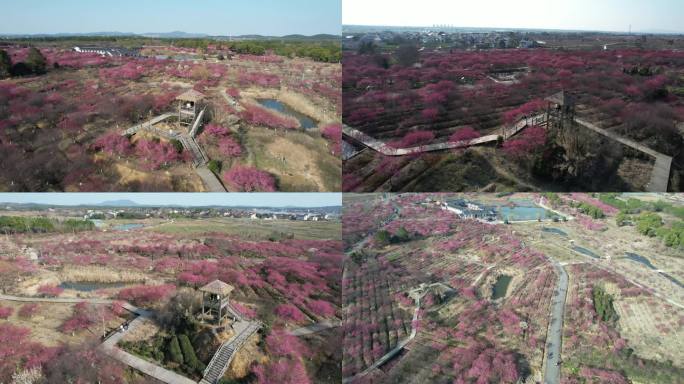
[555, 331]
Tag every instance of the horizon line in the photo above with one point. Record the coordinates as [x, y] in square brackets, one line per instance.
[515, 28]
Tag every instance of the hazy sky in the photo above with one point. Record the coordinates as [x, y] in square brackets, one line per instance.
[215, 17]
[599, 15]
[189, 199]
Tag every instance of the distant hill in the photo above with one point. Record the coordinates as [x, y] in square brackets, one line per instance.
[118, 203]
[174, 35]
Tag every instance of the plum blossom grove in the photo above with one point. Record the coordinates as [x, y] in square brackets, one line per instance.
[299, 277]
[88, 99]
[223, 139]
[452, 91]
[468, 346]
[249, 179]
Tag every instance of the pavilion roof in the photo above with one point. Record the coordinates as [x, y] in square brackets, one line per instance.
[561, 98]
[191, 95]
[217, 287]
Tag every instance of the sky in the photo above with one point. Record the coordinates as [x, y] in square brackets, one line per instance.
[593, 15]
[185, 199]
[214, 17]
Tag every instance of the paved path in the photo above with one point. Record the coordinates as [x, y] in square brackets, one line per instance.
[660, 175]
[211, 181]
[554, 333]
[382, 147]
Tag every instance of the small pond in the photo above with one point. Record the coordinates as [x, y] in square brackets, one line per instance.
[672, 279]
[554, 230]
[524, 213]
[639, 259]
[305, 121]
[85, 286]
[585, 251]
[501, 287]
[126, 227]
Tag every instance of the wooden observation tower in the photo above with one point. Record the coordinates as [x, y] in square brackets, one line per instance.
[560, 111]
[215, 301]
[190, 104]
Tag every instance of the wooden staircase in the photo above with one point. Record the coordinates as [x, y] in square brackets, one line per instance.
[221, 361]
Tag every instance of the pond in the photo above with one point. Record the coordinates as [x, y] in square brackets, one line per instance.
[639, 259]
[501, 287]
[672, 279]
[523, 210]
[127, 227]
[84, 286]
[305, 121]
[585, 251]
[554, 230]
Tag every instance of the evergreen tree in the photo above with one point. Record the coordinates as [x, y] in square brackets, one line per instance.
[5, 64]
[36, 61]
[174, 351]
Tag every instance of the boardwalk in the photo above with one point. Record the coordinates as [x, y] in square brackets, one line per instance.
[142, 365]
[660, 175]
[383, 148]
[109, 345]
[134, 129]
[221, 361]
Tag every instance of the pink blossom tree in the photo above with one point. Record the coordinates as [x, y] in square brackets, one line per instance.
[290, 313]
[464, 134]
[50, 290]
[247, 179]
[114, 144]
[258, 115]
[6, 312]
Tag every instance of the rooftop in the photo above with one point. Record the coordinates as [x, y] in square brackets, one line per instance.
[561, 98]
[217, 287]
[191, 95]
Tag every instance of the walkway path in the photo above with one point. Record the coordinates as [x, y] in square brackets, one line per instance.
[109, 345]
[134, 129]
[382, 147]
[221, 361]
[554, 333]
[660, 175]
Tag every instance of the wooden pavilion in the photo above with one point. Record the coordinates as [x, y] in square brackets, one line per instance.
[215, 301]
[189, 105]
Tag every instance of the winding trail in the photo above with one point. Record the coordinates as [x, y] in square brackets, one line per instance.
[385, 149]
[109, 345]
